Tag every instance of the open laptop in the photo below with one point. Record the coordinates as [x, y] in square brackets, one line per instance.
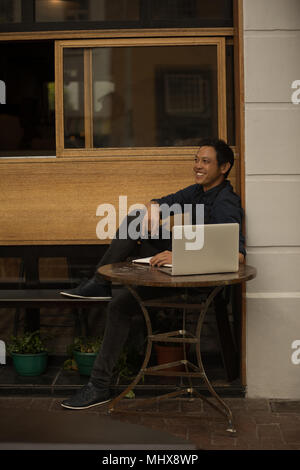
[213, 249]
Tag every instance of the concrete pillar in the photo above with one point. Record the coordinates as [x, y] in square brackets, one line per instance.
[272, 159]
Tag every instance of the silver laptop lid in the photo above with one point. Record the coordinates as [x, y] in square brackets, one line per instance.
[205, 249]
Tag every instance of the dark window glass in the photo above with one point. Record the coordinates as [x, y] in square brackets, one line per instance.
[10, 11]
[138, 102]
[27, 120]
[31, 15]
[74, 98]
[86, 10]
[212, 13]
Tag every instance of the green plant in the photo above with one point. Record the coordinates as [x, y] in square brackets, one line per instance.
[28, 343]
[83, 344]
[86, 344]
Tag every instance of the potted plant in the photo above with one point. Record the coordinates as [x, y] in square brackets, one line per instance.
[29, 353]
[84, 351]
[166, 352]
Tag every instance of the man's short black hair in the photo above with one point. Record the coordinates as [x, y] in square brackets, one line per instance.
[223, 151]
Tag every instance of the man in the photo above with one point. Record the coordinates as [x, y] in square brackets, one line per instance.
[212, 164]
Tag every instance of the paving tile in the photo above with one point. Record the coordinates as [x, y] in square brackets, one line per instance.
[258, 404]
[169, 405]
[153, 421]
[236, 403]
[41, 403]
[268, 431]
[285, 406]
[186, 420]
[138, 405]
[291, 432]
[195, 405]
[222, 441]
[15, 402]
[267, 418]
[273, 444]
[202, 442]
[133, 419]
[260, 424]
[177, 431]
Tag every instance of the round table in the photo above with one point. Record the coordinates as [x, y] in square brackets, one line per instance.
[132, 275]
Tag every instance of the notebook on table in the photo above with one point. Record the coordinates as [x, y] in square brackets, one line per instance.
[205, 249]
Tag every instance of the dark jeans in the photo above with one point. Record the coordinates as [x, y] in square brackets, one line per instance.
[123, 306]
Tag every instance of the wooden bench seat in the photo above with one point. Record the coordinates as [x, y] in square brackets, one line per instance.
[24, 298]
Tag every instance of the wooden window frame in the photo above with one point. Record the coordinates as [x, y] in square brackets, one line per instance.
[121, 152]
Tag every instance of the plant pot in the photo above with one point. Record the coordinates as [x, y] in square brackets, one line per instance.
[30, 365]
[166, 354]
[84, 361]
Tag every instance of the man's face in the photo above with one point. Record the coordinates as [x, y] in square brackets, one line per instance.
[206, 168]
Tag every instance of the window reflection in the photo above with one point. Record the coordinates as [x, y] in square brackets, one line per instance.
[73, 99]
[10, 11]
[86, 10]
[139, 102]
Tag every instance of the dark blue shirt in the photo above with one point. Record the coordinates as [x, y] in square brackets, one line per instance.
[221, 205]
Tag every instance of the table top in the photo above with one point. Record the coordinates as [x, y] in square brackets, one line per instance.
[145, 275]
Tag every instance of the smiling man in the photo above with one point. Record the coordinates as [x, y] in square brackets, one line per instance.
[212, 164]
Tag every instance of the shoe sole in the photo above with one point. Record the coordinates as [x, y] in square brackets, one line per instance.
[84, 407]
[85, 297]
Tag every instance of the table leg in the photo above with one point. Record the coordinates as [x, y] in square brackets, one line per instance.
[224, 409]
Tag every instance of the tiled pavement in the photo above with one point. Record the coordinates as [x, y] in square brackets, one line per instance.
[261, 424]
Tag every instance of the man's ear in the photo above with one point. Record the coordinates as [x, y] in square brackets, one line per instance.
[225, 167]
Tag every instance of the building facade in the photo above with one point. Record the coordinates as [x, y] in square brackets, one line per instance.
[101, 99]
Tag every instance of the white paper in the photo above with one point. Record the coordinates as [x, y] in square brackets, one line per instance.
[147, 261]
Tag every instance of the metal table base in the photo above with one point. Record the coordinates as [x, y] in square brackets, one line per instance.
[180, 336]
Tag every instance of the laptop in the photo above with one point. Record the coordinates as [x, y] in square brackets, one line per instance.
[203, 249]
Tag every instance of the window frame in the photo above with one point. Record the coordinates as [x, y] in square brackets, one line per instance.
[121, 152]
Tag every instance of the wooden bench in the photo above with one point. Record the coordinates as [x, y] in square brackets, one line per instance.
[39, 298]
[32, 292]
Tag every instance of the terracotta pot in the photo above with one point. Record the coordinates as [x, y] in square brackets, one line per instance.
[169, 354]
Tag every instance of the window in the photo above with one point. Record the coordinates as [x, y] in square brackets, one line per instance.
[133, 94]
[27, 120]
[213, 13]
[37, 15]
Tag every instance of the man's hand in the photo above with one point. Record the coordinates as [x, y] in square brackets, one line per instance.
[165, 257]
[150, 221]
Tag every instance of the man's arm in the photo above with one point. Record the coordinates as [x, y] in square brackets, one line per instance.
[152, 215]
[150, 221]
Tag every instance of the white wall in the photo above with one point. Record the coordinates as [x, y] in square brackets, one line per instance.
[272, 63]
